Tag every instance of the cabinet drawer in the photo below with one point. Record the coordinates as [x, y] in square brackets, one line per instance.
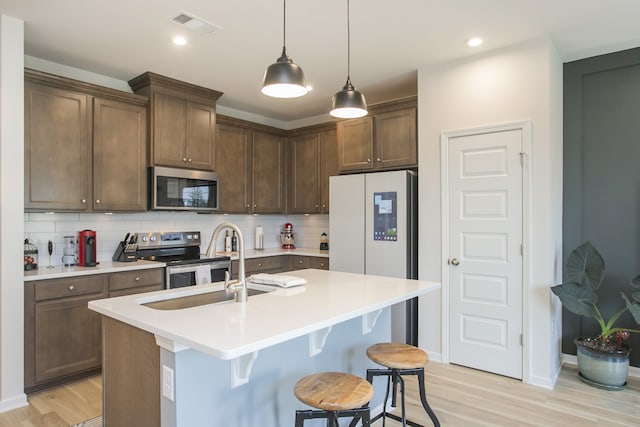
[136, 278]
[319, 263]
[256, 265]
[61, 288]
[299, 262]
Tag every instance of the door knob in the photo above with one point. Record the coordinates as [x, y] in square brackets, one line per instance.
[454, 261]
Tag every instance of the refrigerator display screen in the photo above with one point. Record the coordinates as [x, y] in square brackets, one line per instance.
[385, 216]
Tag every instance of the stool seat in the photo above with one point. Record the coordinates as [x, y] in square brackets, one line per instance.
[397, 356]
[333, 391]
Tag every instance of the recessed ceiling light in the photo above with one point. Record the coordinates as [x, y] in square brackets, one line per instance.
[179, 40]
[474, 41]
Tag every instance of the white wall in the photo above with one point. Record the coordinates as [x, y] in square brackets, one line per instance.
[11, 200]
[523, 82]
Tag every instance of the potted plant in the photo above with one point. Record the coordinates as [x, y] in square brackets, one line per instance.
[603, 360]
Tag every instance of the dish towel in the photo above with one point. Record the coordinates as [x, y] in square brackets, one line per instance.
[277, 280]
[203, 274]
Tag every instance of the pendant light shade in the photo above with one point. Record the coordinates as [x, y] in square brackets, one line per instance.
[284, 78]
[349, 103]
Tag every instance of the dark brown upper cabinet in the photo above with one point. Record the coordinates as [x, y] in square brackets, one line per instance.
[182, 121]
[386, 139]
[312, 159]
[85, 146]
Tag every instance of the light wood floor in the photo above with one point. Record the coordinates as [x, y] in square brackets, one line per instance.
[459, 396]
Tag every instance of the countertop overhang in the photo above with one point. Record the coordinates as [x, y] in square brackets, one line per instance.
[230, 330]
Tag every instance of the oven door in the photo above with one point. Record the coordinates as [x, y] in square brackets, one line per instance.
[186, 275]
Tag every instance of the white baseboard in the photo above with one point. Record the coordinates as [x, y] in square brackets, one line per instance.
[13, 402]
[571, 359]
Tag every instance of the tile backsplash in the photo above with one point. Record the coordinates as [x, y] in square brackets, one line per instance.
[39, 228]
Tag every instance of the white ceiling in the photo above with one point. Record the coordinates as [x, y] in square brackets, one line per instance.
[390, 40]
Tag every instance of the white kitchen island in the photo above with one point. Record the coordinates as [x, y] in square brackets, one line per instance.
[233, 364]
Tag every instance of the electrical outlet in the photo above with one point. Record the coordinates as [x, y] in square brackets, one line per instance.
[167, 382]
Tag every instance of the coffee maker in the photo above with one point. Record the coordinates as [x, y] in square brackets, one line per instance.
[87, 248]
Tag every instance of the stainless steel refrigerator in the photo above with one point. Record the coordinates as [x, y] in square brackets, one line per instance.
[373, 229]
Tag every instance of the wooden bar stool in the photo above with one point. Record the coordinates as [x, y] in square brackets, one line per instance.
[399, 359]
[335, 395]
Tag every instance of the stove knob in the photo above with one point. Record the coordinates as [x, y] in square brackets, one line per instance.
[144, 238]
[153, 238]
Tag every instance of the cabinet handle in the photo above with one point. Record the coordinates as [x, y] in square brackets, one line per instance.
[84, 200]
[368, 160]
[190, 160]
[137, 279]
[259, 265]
[184, 159]
[316, 206]
[322, 264]
[300, 262]
[379, 159]
[248, 206]
[71, 287]
[255, 206]
[324, 206]
[97, 201]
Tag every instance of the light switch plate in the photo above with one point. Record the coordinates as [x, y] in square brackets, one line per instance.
[167, 382]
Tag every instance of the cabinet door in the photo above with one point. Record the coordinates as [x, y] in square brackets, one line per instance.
[201, 136]
[396, 139]
[267, 173]
[328, 166]
[169, 124]
[355, 144]
[304, 179]
[233, 151]
[119, 156]
[57, 148]
[67, 337]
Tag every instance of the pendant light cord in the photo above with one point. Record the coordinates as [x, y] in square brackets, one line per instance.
[348, 43]
[284, 26]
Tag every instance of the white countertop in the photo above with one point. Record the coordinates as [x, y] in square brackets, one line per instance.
[258, 253]
[59, 271]
[228, 330]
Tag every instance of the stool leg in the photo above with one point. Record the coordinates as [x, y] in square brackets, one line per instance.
[423, 398]
[404, 415]
[299, 420]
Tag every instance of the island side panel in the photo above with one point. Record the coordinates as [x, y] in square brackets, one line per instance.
[204, 396]
[130, 376]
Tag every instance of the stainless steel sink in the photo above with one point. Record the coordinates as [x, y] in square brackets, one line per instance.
[196, 300]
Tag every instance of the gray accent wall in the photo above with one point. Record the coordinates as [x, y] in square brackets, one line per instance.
[601, 201]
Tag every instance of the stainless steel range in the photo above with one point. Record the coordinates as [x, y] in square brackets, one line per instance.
[180, 250]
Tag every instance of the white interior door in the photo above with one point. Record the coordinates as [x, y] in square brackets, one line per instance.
[485, 250]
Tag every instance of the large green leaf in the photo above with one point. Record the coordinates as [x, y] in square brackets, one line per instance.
[636, 282]
[576, 298]
[634, 308]
[636, 296]
[585, 266]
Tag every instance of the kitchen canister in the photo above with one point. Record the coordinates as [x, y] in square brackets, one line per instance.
[259, 239]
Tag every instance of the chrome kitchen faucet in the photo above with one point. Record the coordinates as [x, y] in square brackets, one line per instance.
[237, 287]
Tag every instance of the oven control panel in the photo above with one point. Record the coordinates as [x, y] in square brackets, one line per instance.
[168, 239]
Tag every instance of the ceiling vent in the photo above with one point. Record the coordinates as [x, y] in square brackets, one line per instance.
[194, 23]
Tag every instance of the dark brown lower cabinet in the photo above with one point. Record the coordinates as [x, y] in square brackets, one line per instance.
[130, 376]
[280, 263]
[62, 337]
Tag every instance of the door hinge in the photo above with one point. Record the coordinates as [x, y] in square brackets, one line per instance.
[521, 340]
[522, 158]
[521, 250]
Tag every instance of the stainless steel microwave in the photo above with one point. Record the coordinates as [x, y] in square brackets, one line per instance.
[176, 189]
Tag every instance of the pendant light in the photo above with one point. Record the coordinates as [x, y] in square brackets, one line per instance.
[348, 103]
[284, 78]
